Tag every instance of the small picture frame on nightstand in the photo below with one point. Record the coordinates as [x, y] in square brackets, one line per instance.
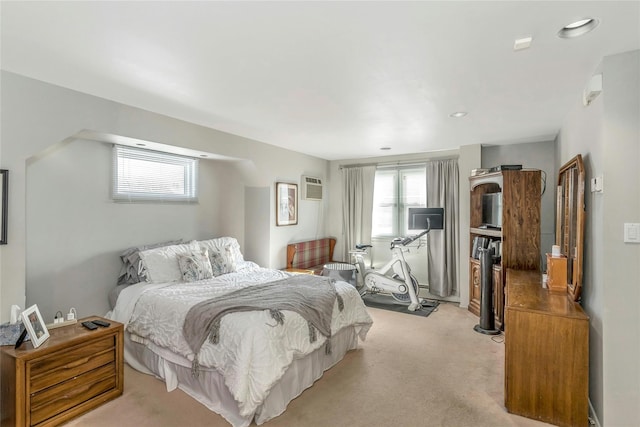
[35, 326]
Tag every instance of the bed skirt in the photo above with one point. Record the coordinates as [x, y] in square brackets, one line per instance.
[210, 390]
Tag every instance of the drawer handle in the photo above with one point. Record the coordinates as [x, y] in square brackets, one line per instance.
[75, 392]
[77, 363]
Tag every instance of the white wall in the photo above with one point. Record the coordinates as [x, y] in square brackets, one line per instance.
[607, 134]
[75, 232]
[621, 330]
[37, 116]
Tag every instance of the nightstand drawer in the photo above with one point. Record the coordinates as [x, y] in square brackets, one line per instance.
[68, 394]
[75, 366]
[72, 372]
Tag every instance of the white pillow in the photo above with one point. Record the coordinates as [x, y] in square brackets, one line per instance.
[224, 247]
[161, 264]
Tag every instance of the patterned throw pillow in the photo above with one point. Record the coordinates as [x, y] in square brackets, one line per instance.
[223, 262]
[219, 244]
[195, 266]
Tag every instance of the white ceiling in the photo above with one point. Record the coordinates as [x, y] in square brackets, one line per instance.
[335, 80]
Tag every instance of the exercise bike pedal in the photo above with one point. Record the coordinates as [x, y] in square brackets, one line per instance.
[428, 304]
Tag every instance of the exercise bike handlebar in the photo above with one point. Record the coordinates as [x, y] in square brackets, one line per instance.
[409, 239]
[398, 240]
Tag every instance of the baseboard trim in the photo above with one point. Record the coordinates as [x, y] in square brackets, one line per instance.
[593, 417]
[423, 292]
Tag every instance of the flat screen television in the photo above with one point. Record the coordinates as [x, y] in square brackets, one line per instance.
[492, 210]
[418, 218]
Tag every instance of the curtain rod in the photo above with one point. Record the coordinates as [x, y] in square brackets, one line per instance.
[397, 163]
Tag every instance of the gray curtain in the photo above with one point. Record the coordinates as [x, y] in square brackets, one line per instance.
[442, 192]
[357, 206]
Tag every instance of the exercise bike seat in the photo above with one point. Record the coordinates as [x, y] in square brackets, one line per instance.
[361, 246]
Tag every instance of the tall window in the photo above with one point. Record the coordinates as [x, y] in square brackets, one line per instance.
[146, 175]
[395, 191]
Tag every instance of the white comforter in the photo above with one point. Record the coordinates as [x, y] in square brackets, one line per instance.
[254, 352]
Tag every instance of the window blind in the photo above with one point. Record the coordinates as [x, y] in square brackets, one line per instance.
[145, 175]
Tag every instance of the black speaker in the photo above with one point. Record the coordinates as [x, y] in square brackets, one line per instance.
[487, 323]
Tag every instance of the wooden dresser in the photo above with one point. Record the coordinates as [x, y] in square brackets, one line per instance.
[72, 372]
[519, 234]
[546, 353]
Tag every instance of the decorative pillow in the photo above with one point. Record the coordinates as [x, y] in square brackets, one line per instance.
[195, 266]
[224, 254]
[161, 264]
[218, 244]
[223, 262]
[131, 262]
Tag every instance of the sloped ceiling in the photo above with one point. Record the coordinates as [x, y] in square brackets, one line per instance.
[334, 80]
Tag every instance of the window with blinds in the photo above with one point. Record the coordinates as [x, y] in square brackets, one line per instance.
[395, 191]
[145, 175]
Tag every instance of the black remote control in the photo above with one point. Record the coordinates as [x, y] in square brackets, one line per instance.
[100, 323]
[23, 335]
[90, 325]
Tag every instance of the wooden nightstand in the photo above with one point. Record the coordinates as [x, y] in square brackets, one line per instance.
[72, 372]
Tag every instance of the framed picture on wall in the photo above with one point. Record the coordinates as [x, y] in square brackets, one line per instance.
[4, 198]
[286, 203]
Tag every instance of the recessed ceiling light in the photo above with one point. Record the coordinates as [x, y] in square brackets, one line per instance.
[578, 28]
[385, 148]
[458, 114]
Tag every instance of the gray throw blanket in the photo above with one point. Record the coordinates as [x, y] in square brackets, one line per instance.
[312, 297]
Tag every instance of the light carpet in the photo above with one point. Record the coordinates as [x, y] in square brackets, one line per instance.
[411, 371]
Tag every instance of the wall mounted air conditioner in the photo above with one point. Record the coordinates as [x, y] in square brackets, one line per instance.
[311, 188]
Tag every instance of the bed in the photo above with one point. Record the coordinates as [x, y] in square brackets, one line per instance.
[260, 359]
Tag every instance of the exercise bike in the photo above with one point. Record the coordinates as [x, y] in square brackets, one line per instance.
[394, 277]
